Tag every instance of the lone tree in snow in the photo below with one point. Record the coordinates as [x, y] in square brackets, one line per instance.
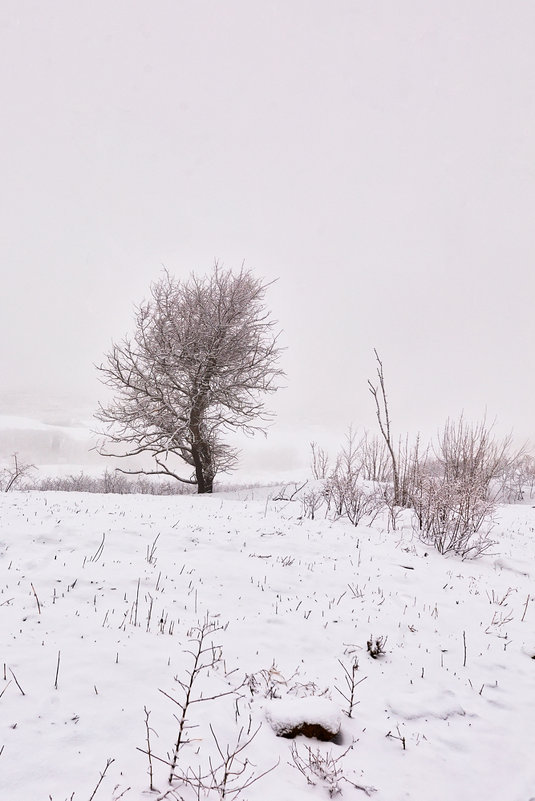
[203, 353]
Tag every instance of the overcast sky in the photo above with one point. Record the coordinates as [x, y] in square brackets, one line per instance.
[378, 158]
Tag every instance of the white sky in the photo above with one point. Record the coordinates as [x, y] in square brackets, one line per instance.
[377, 157]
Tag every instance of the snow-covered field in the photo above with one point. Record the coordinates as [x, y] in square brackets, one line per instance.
[99, 600]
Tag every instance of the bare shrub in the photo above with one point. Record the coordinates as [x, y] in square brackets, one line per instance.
[205, 656]
[454, 515]
[361, 482]
[109, 483]
[225, 773]
[470, 455]
[114, 482]
[344, 478]
[359, 503]
[312, 501]
[228, 775]
[517, 481]
[386, 501]
[270, 683]
[454, 496]
[412, 464]
[356, 501]
[412, 461]
[375, 458]
[319, 462]
[321, 767]
[346, 493]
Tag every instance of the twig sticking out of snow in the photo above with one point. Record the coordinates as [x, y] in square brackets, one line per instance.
[98, 553]
[108, 763]
[16, 682]
[399, 737]
[36, 598]
[148, 730]
[57, 671]
[525, 608]
[350, 680]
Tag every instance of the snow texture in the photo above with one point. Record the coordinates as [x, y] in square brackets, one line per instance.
[98, 597]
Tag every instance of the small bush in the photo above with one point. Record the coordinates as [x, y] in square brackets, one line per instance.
[111, 482]
[454, 515]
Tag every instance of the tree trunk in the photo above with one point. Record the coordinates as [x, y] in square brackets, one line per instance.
[201, 455]
[208, 486]
[203, 472]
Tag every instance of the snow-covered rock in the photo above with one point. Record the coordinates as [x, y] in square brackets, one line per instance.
[311, 716]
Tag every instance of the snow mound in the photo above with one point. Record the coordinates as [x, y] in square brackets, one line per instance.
[311, 716]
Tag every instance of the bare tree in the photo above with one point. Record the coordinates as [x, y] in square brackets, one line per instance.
[383, 418]
[203, 353]
[11, 477]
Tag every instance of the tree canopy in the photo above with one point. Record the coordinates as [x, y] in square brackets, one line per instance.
[203, 355]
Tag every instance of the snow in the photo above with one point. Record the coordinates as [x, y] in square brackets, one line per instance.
[98, 597]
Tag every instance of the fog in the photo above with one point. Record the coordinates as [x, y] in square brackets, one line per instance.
[375, 158]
